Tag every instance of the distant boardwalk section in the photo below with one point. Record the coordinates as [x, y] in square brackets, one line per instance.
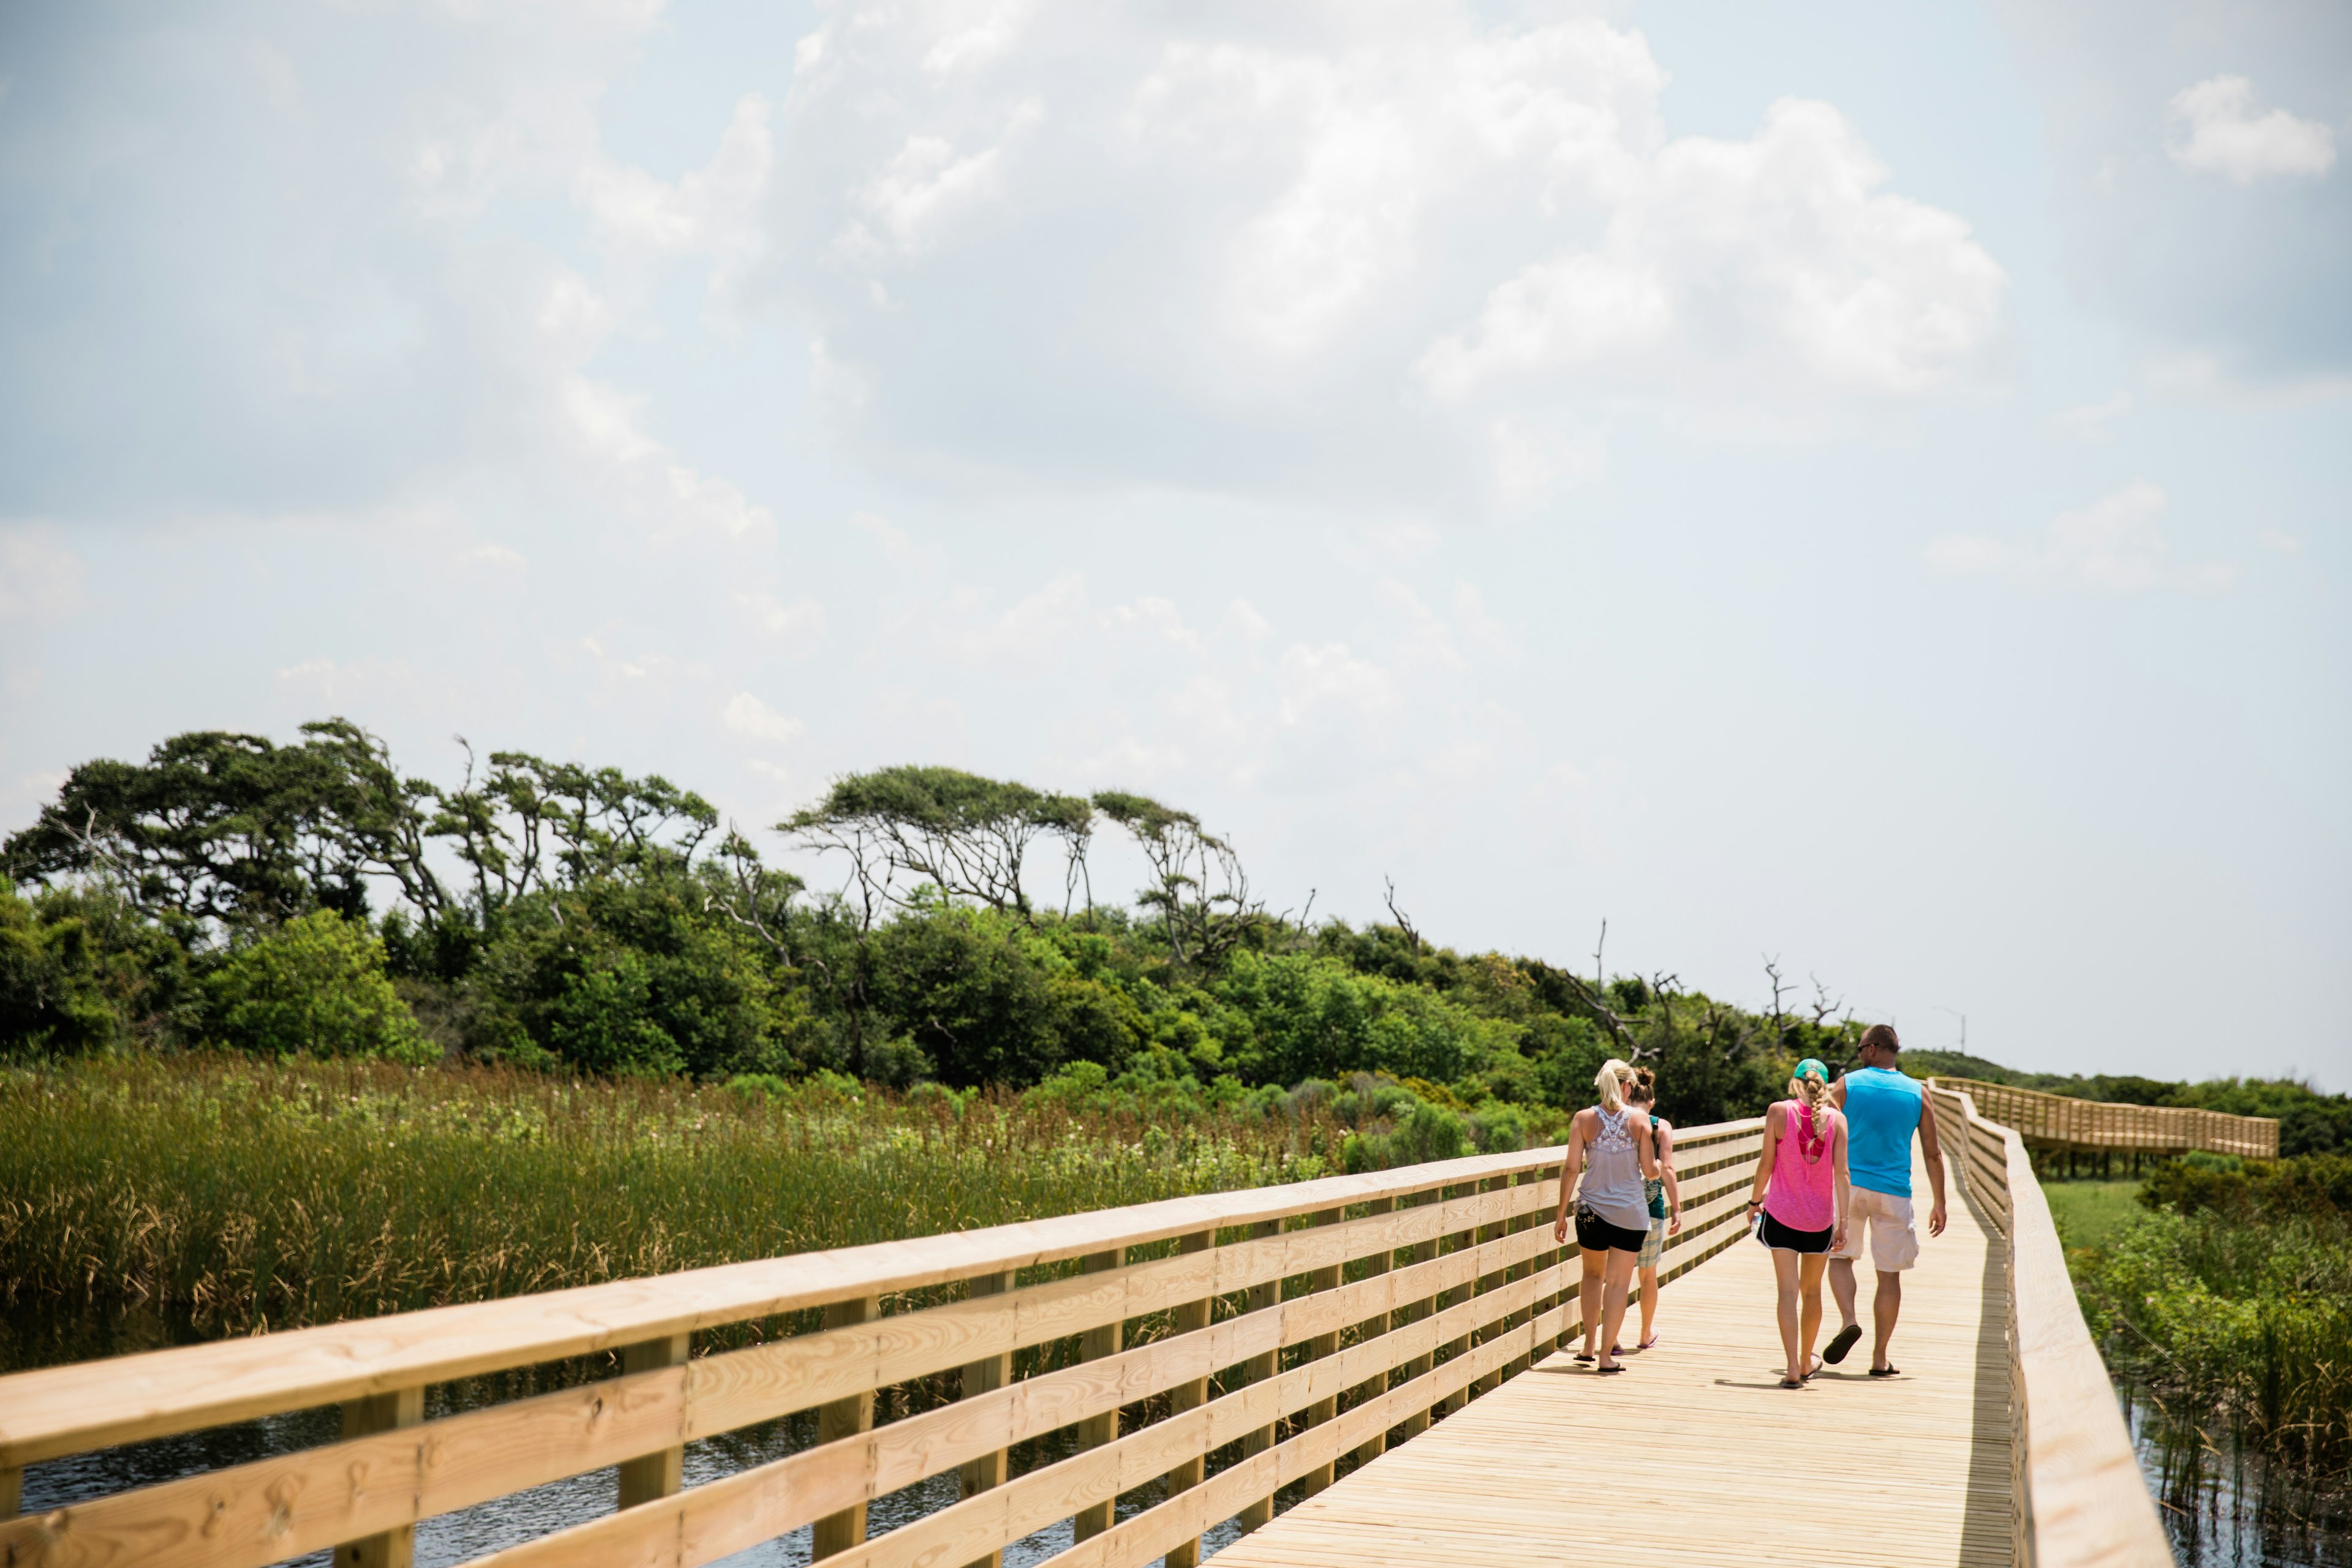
[2061, 1122]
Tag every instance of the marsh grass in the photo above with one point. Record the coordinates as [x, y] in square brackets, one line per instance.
[2237, 1327]
[233, 1196]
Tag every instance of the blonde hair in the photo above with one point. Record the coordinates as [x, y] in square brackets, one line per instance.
[1610, 1080]
[1814, 1093]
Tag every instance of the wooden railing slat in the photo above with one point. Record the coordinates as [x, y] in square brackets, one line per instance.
[755, 1505]
[62, 1410]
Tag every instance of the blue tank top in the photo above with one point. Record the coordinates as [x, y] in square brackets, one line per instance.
[1882, 1111]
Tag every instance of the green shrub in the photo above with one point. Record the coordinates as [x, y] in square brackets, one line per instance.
[315, 986]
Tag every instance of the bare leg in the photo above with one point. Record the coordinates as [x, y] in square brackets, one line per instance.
[1649, 1301]
[1842, 1287]
[1810, 1315]
[1588, 1295]
[1784, 1277]
[1884, 1310]
[1612, 1313]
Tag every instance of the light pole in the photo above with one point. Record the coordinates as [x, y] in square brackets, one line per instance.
[1963, 1017]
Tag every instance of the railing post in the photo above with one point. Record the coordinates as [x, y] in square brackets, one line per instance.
[838, 1533]
[1489, 1281]
[1103, 1339]
[1455, 1297]
[1257, 1370]
[651, 1475]
[1317, 1347]
[1372, 1387]
[1189, 1318]
[362, 1418]
[1414, 1425]
[12, 1490]
[1517, 1224]
[982, 1376]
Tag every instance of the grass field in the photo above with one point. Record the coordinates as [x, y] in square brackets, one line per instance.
[2088, 1213]
[236, 1195]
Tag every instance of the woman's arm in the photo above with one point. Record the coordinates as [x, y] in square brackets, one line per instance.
[1839, 1184]
[1569, 1168]
[1774, 1119]
[1645, 1146]
[1673, 1188]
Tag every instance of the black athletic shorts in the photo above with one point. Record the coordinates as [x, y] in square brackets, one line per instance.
[1780, 1239]
[1597, 1234]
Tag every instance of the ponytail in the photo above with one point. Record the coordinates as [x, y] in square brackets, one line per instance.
[1810, 1092]
[1610, 1080]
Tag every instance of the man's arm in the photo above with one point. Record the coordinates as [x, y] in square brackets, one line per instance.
[1934, 1151]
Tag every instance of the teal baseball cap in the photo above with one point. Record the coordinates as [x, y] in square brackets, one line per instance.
[1812, 1068]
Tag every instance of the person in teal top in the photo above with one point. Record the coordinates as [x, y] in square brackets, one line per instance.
[1883, 1108]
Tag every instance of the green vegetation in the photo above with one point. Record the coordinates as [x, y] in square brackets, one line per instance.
[250, 1195]
[313, 901]
[2228, 1295]
[2089, 1212]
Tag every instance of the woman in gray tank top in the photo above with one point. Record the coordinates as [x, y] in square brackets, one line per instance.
[1610, 1145]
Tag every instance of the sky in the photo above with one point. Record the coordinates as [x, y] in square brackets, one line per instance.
[1865, 489]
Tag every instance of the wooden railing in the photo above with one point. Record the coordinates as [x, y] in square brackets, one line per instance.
[2080, 1497]
[2061, 1122]
[1265, 1335]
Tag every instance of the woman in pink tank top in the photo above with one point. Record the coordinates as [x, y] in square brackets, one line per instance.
[1798, 1206]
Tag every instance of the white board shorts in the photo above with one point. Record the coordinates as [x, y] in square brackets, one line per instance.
[1894, 1239]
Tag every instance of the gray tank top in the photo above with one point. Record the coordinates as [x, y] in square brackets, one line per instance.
[1611, 1187]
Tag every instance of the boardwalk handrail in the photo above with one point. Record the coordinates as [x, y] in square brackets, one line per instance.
[2063, 1121]
[1303, 1323]
[2081, 1499]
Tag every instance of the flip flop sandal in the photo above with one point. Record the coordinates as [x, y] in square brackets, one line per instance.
[1584, 1355]
[1648, 1343]
[1835, 1351]
[1817, 1366]
[1791, 1383]
[1886, 1371]
[1607, 1371]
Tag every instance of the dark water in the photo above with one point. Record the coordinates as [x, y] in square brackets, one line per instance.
[32, 1338]
[2224, 1508]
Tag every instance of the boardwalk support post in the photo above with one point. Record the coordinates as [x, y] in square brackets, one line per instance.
[983, 1376]
[1188, 1318]
[1319, 1346]
[657, 1475]
[1103, 1339]
[364, 1417]
[838, 1533]
[1371, 1328]
[1257, 1369]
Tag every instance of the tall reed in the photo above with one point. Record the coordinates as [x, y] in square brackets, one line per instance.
[248, 1195]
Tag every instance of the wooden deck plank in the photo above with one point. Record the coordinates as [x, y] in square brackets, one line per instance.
[1559, 1466]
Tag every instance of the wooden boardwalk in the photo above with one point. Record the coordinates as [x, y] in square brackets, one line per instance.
[1696, 1455]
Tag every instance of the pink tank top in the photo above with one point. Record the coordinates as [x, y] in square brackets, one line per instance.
[1804, 1169]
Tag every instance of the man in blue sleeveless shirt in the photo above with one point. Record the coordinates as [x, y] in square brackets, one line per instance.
[1883, 1107]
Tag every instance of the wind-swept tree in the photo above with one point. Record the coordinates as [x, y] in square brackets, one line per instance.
[232, 828]
[967, 836]
[1201, 924]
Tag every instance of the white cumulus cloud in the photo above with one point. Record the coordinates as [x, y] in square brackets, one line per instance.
[747, 715]
[1379, 247]
[2115, 545]
[2215, 129]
